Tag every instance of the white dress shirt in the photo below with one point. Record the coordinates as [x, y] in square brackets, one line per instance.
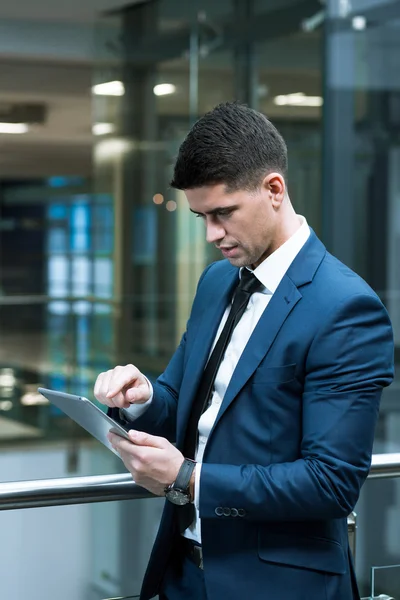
[270, 273]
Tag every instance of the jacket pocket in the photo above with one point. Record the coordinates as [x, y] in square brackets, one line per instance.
[312, 553]
[282, 374]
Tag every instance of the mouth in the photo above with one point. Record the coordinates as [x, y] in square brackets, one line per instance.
[228, 251]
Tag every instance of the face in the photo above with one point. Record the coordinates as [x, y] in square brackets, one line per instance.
[243, 225]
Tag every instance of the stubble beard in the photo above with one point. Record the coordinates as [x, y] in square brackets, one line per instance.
[247, 260]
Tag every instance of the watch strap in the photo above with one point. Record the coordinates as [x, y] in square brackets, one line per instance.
[182, 480]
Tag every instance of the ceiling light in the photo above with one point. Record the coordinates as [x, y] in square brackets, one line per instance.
[6, 405]
[108, 148]
[102, 128]
[298, 99]
[33, 399]
[359, 23]
[13, 128]
[163, 89]
[110, 88]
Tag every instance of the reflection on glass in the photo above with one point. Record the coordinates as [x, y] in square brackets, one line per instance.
[57, 240]
[58, 276]
[103, 277]
[80, 275]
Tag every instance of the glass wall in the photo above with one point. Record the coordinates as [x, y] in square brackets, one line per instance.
[361, 221]
[327, 78]
[173, 63]
[160, 65]
[56, 300]
[99, 258]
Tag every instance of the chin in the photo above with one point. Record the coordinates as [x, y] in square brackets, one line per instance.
[239, 262]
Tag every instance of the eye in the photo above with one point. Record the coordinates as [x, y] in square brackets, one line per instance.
[200, 216]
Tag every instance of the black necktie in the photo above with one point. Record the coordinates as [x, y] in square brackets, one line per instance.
[248, 284]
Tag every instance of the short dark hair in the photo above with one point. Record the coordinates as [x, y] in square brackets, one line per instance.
[232, 144]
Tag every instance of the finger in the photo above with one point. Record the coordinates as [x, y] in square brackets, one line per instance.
[121, 378]
[138, 393]
[118, 440]
[98, 386]
[118, 401]
[124, 446]
[140, 438]
[101, 388]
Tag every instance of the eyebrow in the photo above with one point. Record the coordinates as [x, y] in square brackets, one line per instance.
[215, 211]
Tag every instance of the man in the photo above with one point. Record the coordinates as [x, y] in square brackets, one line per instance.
[272, 396]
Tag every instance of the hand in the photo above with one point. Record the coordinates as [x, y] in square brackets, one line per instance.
[152, 461]
[122, 386]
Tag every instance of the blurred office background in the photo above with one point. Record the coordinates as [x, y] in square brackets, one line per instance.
[99, 259]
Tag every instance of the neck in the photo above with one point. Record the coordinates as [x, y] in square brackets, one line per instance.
[288, 226]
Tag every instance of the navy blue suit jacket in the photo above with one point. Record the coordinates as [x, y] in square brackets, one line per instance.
[292, 442]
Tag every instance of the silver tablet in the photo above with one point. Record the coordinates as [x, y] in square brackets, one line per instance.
[86, 414]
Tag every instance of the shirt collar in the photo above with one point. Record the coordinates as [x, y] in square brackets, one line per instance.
[272, 270]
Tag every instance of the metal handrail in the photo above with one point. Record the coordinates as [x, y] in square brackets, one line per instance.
[69, 490]
[107, 488]
[385, 465]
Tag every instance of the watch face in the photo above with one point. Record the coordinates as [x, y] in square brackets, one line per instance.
[177, 497]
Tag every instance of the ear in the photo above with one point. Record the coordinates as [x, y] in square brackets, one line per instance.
[275, 184]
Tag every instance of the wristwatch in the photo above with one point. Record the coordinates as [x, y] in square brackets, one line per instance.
[178, 492]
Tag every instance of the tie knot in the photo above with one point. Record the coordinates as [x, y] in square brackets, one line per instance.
[248, 282]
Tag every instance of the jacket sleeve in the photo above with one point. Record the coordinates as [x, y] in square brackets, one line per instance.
[160, 417]
[349, 362]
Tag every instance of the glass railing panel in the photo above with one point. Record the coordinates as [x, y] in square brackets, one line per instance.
[64, 570]
[385, 582]
[378, 539]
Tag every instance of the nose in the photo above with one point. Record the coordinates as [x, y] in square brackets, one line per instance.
[215, 232]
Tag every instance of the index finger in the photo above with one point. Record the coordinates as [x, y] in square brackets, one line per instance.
[121, 378]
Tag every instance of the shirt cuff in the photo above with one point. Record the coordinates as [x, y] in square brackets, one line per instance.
[137, 410]
[197, 486]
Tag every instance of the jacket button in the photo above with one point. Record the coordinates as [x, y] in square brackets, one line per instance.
[241, 512]
[219, 511]
[234, 512]
[227, 512]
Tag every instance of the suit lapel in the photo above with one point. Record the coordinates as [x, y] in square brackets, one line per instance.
[200, 351]
[280, 306]
[287, 295]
